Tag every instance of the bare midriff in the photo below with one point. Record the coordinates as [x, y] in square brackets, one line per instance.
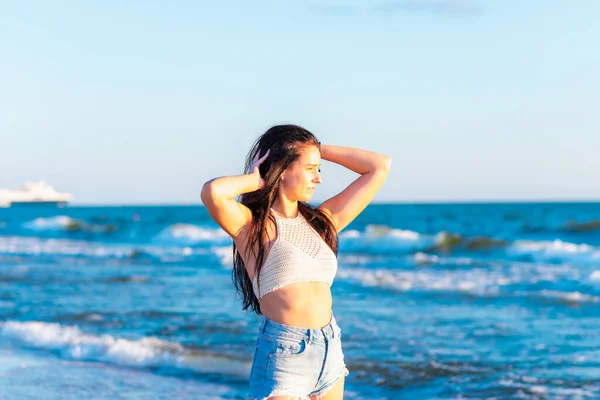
[305, 305]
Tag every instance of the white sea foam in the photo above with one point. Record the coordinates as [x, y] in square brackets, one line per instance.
[350, 234]
[557, 251]
[381, 238]
[74, 344]
[556, 248]
[428, 259]
[595, 276]
[186, 234]
[377, 238]
[532, 385]
[474, 280]
[16, 245]
[423, 258]
[58, 223]
[538, 389]
[39, 246]
[225, 254]
[381, 231]
[375, 231]
[489, 278]
[571, 297]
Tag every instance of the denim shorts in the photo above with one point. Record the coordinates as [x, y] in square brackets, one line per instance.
[295, 361]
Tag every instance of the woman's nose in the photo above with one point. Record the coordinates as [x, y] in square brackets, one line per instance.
[317, 178]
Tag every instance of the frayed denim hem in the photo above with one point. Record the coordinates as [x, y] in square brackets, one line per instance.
[324, 390]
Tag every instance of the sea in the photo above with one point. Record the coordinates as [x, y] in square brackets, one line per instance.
[435, 301]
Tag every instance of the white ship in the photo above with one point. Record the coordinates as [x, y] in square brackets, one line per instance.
[33, 193]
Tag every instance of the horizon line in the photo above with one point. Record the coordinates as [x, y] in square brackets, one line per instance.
[397, 202]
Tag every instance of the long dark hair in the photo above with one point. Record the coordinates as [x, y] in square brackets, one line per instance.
[284, 143]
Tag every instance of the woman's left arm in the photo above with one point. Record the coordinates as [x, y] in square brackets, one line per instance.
[372, 167]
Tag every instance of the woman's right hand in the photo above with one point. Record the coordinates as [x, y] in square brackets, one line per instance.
[254, 167]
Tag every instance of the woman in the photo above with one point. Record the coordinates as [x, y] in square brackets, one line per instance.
[285, 256]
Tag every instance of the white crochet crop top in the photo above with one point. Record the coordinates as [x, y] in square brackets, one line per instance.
[299, 254]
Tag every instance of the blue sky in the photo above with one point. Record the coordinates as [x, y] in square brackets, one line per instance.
[143, 101]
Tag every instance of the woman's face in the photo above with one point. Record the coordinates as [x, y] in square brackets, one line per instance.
[299, 181]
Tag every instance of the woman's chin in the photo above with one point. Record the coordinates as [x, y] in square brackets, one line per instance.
[307, 197]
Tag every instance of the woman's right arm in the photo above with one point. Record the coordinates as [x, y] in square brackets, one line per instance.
[218, 195]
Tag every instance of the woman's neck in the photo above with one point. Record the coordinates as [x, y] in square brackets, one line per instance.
[286, 209]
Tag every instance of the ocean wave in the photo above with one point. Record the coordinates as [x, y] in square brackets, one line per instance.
[19, 245]
[553, 246]
[446, 241]
[433, 259]
[69, 280]
[588, 226]
[63, 223]
[225, 255]
[60, 222]
[40, 247]
[381, 232]
[479, 277]
[555, 250]
[148, 352]
[187, 235]
[428, 249]
[569, 297]
[185, 242]
[400, 374]
[472, 281]
[87, 316]
[531, 387]
[381, 238]
[378, 238]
